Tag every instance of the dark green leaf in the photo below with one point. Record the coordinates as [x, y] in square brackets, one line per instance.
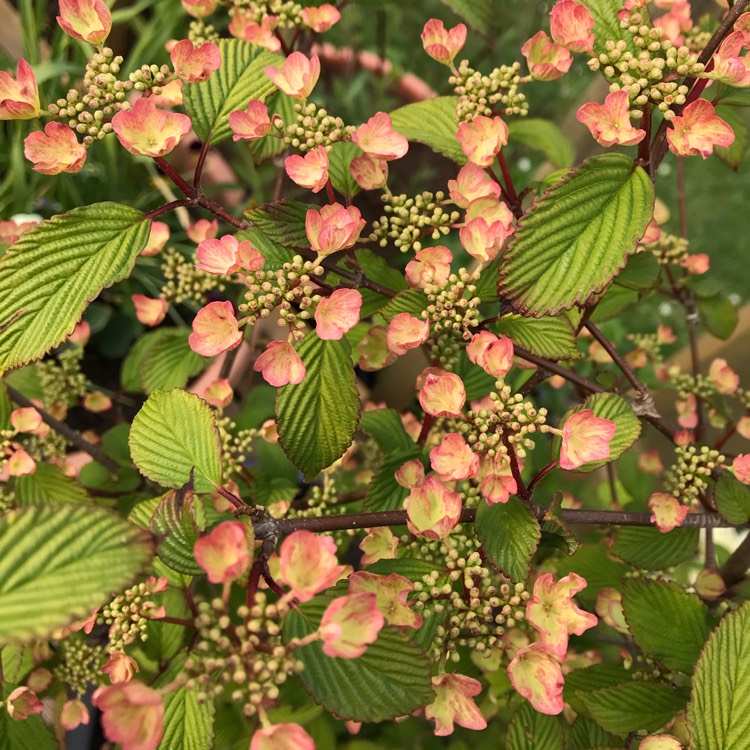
[649, 549]
[640, 272]
[719, 316]
[732, 499]
[339, 159]
[530, 730]
[175, 528]
[547, 337]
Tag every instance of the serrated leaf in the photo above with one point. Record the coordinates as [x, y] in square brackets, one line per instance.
[555, 531]
[719, 709]
[649, 549]
[719, 316]
[666, 622]
[412, 301]
[339, 159]
[276, 477]
[130, 372]
[732, 499]
[278, 231]
[633, 706]
[174, 526]
[607, 24]
[476, 13]
[640, 272]
[433, 123]
[169, 362]
[239, 79]
[586, 734]
[509, 535]
[318, 417]
[530, 730]
[734, 155]
[547, 337]
[387, 429]
[544, 136]
[592, 678]
[188, 724]
[48, 485]
[57, 564]
[173, 435]
[384, 492]
[51, 273]
[392, 678]
[575, 238]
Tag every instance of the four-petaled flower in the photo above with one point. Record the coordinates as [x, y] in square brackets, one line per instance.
[585, 437]
[609, 123]
[298, 76]
[19, 96]
[148, 131]
[454, 704]
[698, 129]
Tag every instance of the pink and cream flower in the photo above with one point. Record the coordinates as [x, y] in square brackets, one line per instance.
[432, 510]
[667, 512]
[378, 139]
[280, 364]
[337, 314]
[19, 96]
[440, 44]
[406, 332]
[537, 676]
[150, 311]
[571, 25]
[547, 61]
[215, 330]
[698, 129]
[431, 265]
[309, 171]
[308, 564]
[132, 714]
[585, 437]
[224, 553]
[147, 131]
[333, 228]
[368, 172]
[55, 149]
[391, 593]
[454, 704]
[472, 182]
[609, 123]
[251, 123]
[282, 737]
[321, 18]
[193, 64]
[442, 394]
[349, 624]
[453, 460]
[298, 76]
[482, 138]
[87, 20]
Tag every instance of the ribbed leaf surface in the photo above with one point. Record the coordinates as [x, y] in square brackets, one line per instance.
[530, 730]
[547, 337]
[433, 123]
[651, 550]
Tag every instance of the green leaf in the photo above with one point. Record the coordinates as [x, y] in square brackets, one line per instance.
[592, 678]
[412, 301]
[173, 434]
[719, 709]
[616, 409]
[433, 123]
[239, 79]
[278, 231]
[318, 417]
[175, 528]
[392, 678]
[530, 730]
[666, 622]
[586, 734]
[734, 155]
[338, 168]
[510, 535]
[718, 314]
[633, 706]
[169, 362]
[592, 562]
[59, 563]
[640, 272]
[544, 136]
[30, 734]
[409, 567]
[387, 429]
[547, 337]
[48, 485]
[276, 477]
[476, 13]
[576, 237]
[649, 549]
[555, 532]
[188, 724]
[607, 24]
[384, 492]
[49, 276]
[732, 499]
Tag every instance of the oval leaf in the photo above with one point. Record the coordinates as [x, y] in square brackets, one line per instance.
[577, 235]
[433, 123]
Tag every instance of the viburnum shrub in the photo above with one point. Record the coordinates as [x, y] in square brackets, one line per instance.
[402, 453]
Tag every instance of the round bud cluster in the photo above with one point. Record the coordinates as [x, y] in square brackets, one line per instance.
[199, 32]
[686, 384]
[314, 127]
[743, 396]
[669, 248]
[686, 478]
[128, 616]
[61, 377]
[647, 76]
[407, 219]
[480, 94]
[150, 78]
[235, 444]
[184, 282]
[696, 39]
[454, 308]
[80, 665]
[645, 668]
[241, 657]
[289, 288]
[286, 13]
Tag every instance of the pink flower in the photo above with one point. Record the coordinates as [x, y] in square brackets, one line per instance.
[454, 704]
[432, 510]
[368, 172]
[547, 61]
[224, 552]
[406, 332]
[20, 463]
[687, 412]
[215, 330]
[22, 703]
[391, 592]
[609, 123]
[668, 513]
[698, 129]
[157, 238]
[585, 437]
[221, 257]
[410, 474]
[453, 460]
[309, 171]
[697, 263]
[492, 353]
[120, 667]
[203, 229]
[442, 45]
[431, 265]
[726, 380]
[741, 468]
[150, 311]
[554, 615]
[219, 393]
[199, 8]
[337, 314]
[282, 737]
[194, 64]
[471, 183]
[536, 675]
[132, 714]
[349, 624]
[649, 462]
[27, 419]
[379, 544]
[244, 27]
[97, 402]
[87, 20]
[321, 19]
[482, 138]
[442, 394]
[497, 481]
[730, 66]
[148, 131]
[676, 21]
[19, 97]
[73, 714]
[333, 228]
[298, 76]
[378, 139]
[308, 564]
[251, 123]
[280, 364]
[54, 150]
[571, 25]
[249, 257]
